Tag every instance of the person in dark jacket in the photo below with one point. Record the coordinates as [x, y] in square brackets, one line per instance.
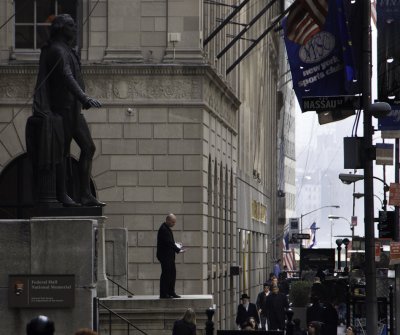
[260, 304]
[276, 311]
[60, 90]
[316, 311]
[166, 250]
[331, 319]
[245, 311]
[186, 325]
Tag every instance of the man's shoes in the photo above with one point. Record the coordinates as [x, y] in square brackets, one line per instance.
[91, 201]
[174, 295]
[166, 296]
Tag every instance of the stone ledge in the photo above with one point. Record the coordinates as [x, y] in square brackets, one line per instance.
[150, 313]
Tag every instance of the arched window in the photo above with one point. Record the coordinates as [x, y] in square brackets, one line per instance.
[33, 18]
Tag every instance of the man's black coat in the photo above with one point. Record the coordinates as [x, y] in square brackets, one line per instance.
[242, 315]
[166, 250]
[276, 310]
[166, 247]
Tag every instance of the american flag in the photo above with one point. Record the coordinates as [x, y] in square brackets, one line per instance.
[313, 232]
[306, 19]
[288, 255]
[373, 11]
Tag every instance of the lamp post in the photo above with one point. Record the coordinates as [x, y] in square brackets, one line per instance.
[346, 242]
[315, 210]
[339, 249]
[348, 178]
[334, 217]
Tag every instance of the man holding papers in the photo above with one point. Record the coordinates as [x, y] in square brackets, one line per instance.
[166, 250]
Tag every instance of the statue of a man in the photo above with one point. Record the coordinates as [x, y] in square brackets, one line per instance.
[60, 92]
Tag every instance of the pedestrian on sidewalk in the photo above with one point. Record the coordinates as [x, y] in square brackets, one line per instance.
[261, 304]
[246, 310]
[186, 325]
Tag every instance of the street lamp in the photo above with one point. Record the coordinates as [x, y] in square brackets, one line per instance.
[339, 249]
[334, 217]
[346, 242]
[348, 178]
[303, 215]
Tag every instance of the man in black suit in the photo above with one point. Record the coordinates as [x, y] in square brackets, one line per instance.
[166, 250]
[246, 310]
[277, 305]
[261, 306]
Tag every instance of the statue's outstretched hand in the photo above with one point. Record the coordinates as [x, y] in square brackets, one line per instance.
[92, 103]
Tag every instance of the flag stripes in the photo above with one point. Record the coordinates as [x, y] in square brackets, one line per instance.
[306, 19]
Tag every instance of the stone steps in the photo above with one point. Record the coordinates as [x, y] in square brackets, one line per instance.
[149, 313]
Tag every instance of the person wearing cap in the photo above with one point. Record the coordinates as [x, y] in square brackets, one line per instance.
[40, 325]
[260, 304]
[246, 310]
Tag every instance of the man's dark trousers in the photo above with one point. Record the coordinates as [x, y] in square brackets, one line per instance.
[168, 277]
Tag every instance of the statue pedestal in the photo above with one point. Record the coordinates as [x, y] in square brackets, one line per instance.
[49, 247]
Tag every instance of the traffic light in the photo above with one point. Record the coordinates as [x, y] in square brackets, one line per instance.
[386, 225]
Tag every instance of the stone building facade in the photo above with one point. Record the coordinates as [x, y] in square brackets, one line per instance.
[175, 133]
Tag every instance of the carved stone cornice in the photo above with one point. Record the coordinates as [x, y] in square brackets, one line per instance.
[137, 84]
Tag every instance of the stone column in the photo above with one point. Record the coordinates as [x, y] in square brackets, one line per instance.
[123, 31]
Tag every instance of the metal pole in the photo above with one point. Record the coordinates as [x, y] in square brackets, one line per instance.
[396, 325]
[225, 22]
[354, 212]
[370, 270]
[391, 320]
[244, 30]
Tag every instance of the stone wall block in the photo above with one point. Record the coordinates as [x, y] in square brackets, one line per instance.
[122, 115]
[138, 131]
[138, 222]
[152, 178]
[193, 194]
[106, 130]
[168, 131]
[141, 255]
[149, 271]
[111, 194]
[192, 131]
[185, 115]
[185, 147]
[138, 194]
[95, 115]
[131, 162]
[153, 147]
[153, 115]
[127, 178]
[118, 147]
[185, 178]
[105, 180]
[101, 164]
[174, 162]
[147, 239]
[168, 194]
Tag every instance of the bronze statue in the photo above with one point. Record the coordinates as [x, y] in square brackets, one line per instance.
[59, 97]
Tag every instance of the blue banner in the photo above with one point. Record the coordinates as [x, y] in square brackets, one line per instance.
[391, 121]
[319, 49]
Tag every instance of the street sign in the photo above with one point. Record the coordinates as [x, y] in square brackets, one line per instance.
[301, 236]
[329, 103]
[394, 253]
[394, 194]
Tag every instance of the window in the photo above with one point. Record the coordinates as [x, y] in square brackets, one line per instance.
[33, 18]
